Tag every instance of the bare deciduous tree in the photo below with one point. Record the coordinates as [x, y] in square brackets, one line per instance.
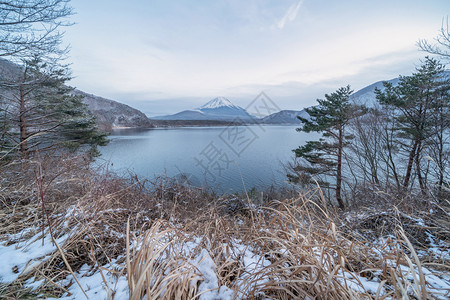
[28, 27]
[441, 46]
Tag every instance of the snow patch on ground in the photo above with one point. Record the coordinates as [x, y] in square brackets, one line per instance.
[19, 259]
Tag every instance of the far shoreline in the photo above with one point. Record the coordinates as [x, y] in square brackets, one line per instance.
[170, 124]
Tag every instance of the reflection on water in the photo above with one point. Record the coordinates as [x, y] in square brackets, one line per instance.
[223, 158]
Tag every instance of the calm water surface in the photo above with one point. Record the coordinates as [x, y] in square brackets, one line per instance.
[223, 158]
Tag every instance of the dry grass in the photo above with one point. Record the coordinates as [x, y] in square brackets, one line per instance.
[289, 248]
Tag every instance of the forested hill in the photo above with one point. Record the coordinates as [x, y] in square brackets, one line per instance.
[110, 114]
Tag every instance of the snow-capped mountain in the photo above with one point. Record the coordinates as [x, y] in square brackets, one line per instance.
[218, 103]
[222, 108]
[219, 108]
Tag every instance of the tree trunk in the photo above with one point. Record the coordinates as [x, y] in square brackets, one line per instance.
[339, 171]
[419, 171]
[390, 163]
[23, 126]
[440, 148]
[410, 164]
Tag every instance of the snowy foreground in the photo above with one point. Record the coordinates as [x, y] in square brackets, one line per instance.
[169, 260]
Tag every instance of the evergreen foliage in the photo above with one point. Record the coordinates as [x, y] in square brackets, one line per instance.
[421, 115]
[324, 157]
[44, 114]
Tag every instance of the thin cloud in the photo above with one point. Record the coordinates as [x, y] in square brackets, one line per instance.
[290, 15]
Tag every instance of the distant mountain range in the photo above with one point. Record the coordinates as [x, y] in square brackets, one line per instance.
[218, 109]
[221, 109]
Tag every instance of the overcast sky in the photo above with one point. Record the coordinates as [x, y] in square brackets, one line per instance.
[165, 56]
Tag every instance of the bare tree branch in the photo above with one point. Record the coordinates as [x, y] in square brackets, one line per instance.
[442, 42]
[28, 27]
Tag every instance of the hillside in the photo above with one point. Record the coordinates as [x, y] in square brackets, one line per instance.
[285, 117]
[366, 96]
[110, 114]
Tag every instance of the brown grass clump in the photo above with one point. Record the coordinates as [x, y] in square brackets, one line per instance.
[172, 241]
[159, 269]
[299, 251]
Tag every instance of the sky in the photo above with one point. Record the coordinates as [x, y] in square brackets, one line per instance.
[166, 56]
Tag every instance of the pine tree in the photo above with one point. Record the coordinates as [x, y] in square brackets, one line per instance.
[420, 103]
[45, 113]
[324, 157]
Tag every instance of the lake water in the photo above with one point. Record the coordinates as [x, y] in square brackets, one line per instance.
[222, 158]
